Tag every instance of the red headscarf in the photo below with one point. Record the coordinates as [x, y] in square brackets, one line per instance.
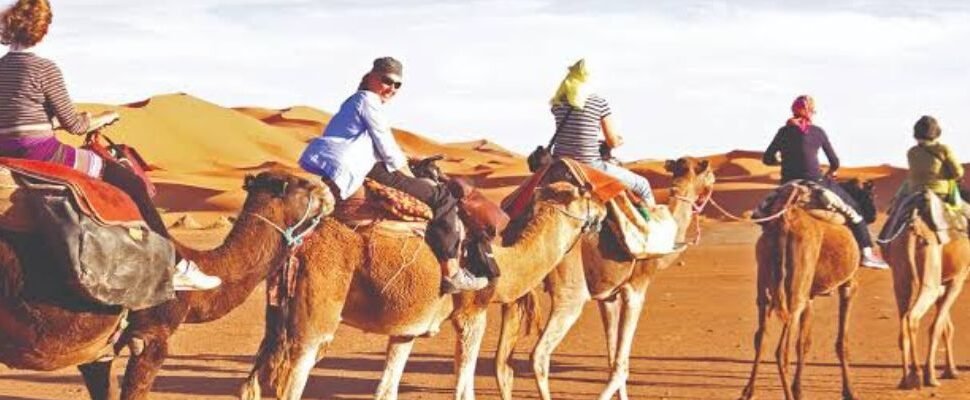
[803, 109]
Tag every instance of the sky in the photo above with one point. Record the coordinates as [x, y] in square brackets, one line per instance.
[683, 77]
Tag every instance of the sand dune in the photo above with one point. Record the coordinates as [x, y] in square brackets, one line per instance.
[203, 150]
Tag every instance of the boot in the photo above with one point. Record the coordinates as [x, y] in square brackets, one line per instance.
[189, 277]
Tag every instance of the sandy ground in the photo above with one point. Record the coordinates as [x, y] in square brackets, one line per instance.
[694, 342]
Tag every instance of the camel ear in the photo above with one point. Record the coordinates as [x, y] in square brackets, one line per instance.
[702, 166]
[248, 182]
[669, 165]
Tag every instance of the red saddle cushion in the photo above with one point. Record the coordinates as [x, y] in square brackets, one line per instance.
[602, 186]
[97, 199]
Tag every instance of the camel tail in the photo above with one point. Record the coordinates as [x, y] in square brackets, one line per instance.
[779, 270]
[532, 318]
[272, 359]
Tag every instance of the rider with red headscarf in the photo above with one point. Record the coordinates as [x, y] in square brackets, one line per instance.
[798, 143]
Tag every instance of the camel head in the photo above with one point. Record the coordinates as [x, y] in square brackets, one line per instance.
[862, 191]
[692, 178]
[286, 199]
[573, 202]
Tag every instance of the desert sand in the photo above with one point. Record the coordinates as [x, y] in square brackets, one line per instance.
[694, 341]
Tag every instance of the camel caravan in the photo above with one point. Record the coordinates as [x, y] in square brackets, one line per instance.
[371, 238]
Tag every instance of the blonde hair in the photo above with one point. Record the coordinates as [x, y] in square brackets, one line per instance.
[25, 23]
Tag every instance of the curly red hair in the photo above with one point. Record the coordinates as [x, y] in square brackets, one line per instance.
[25, 23]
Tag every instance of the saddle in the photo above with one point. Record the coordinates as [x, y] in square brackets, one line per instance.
[808, 195]
[391, 212]
[641, 238]
[93, 233]
[943, 220]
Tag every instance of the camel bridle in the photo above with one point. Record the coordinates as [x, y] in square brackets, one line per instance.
[591, 223]
[292, 234]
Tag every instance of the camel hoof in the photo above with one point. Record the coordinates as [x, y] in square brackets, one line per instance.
[931, 381]
[747, 393]
[136, 346]
[910, 382]
[950, 374]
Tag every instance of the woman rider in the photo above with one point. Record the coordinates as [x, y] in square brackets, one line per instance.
[358, 143]
[933, 166]
[798, 143]
[33, 98]
[584, 120]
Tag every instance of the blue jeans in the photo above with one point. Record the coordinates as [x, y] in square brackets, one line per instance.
[636, 183]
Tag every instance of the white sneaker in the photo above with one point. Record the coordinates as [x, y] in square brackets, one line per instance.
[463, 281]
[189, 277]
[873, 261]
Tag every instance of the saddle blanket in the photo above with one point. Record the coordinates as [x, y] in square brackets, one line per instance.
[808, 195]
[932, 209]
[641, 238]
[97, 199]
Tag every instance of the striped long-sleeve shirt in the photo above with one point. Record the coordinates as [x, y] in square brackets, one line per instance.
[580, 134]
[32, 93]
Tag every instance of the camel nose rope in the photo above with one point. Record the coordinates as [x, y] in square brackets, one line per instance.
[293, 238]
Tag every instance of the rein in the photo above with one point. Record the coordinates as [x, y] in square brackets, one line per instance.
[283, 280]
[292, 237]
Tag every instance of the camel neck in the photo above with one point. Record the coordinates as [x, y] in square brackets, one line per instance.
[540, 247]
[251, 249]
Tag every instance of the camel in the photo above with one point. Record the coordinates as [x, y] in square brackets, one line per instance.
[799, 258]
[41, 333]
[926, 273]
[390, 286]
[599, 269]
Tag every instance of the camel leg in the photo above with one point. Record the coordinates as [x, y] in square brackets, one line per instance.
[471, 331]
[781, 358]
[305, 354]
[511, 331]
[398, 350]
[563, 315]
[803, 346]
[846, 294]
[610, 315]
[633, 300]
[941, 326]
[951, 366]
[759, 337]
[98, 379]
[143, 368]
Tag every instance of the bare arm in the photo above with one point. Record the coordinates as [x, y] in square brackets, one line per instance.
[613, 139]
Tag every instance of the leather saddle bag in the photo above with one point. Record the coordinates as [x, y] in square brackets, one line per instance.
[120, 265]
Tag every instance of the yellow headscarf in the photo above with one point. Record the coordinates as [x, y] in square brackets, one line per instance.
[573, 88]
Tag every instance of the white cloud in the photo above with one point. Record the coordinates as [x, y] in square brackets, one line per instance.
[682, 76]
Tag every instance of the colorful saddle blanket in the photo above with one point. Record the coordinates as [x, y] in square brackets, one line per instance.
[95, 241]
[97, 199]
[641, 238]
[944, 220]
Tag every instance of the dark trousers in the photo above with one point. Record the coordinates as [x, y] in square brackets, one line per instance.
[859, 230]
[442, 233]
[121, 177]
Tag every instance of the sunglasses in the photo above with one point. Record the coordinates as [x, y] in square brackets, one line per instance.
[390, 82]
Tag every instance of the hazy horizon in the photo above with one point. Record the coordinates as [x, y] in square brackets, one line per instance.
[682, 77]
